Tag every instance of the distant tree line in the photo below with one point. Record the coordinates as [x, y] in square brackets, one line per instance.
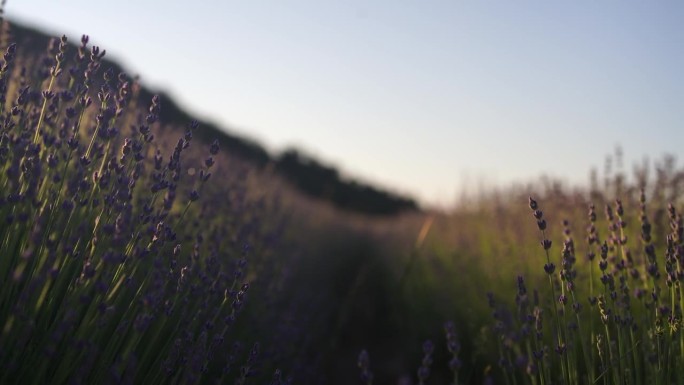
[324, 182]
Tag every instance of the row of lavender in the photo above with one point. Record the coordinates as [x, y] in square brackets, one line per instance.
[119, 262]
[609, 312]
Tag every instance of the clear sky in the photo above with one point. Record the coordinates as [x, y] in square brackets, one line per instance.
[422, 97]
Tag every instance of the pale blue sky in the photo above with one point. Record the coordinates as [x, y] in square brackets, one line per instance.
[418, 96]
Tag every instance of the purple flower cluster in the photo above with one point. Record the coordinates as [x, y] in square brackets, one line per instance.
[624, 335]
[114, 266]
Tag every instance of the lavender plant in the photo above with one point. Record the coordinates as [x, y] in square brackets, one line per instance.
[634, 322]
[612, 316]
[111, 271]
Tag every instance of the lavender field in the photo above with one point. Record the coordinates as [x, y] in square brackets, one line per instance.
[136, 249]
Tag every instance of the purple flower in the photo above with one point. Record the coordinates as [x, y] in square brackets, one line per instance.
[214, 149]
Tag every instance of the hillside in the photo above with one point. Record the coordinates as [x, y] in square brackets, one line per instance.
[307, 174]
